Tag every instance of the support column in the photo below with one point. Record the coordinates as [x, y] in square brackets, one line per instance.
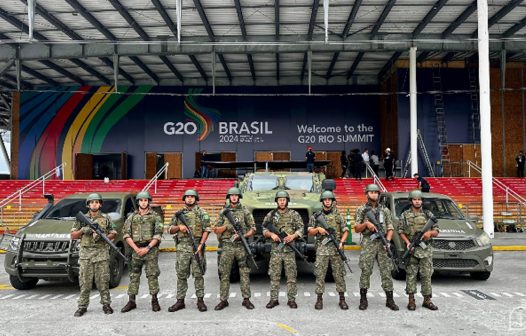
[413, 110]
[116, 72]
[309, 63]
[485, 117]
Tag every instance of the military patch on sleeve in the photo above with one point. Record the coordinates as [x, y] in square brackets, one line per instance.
[206, 217]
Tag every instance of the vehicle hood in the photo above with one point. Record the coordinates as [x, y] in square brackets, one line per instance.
[47, 229]
[457, 228]
[265, 199]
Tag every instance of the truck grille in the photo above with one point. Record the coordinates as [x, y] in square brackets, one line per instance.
[454, 263]
[46, 246]
[453, 245]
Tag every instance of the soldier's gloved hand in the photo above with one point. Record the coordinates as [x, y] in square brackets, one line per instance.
[322, 231]
[183, 228]
[235, 237]
[86, 230]
[388, 246]
[340, 246]
[275, 238]
[289, 238]
[407, 244]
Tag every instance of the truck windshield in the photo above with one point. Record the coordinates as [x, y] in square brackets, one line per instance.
[263, 182]
[70, 207]
[440, 207]
[299, 182]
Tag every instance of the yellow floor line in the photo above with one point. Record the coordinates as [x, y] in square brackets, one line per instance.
[509, 248]
[287, 328]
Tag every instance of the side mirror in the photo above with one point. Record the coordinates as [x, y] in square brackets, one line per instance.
[114, 216]
[328, 184]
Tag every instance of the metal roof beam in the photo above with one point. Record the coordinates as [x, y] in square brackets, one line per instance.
[225, 66]
[385, 69]
[382, 18]
[91, 19]
[38, 75]
[500, 14]
[355, 63]
[345, 33]
[448, 58]
[122, 72]
[129, 19]
[515, 28]
[198, 67]
[144, 68]
[276, 18]
[239, 12]
[429, 16]
[312, 21]
[425, 21]
[460, 19]
[90, 70]
[63, 71]
[164, 14]
[172, 68]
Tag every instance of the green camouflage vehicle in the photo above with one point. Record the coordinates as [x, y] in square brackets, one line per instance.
[259, 190]
[43, 249]
[459, 247]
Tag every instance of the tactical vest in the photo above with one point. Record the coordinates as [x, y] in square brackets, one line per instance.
[194, 218]
[332, 220]
[142, 227]
[239, 216]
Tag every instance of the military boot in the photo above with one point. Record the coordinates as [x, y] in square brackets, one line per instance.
[130, 305]
[107, 309]
[81, 311]
[343, 305]
[247, 304]
[412, 304]
[221, 305]
[363, 299]
[155, 303]
[272, 303]
[319, 302]
[428, 303]
[389, 301]
[178, 305]
[292, 304]
[201, 305]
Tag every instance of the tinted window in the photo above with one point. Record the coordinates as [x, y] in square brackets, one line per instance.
[441, 208]
[70, 207]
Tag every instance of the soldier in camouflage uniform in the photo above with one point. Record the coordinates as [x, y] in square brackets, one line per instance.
[232, 248]
[325, 251]
[143, 230]
[199, 223]
[289, 221]
[94, 256]
[374, 249]
[411, 222]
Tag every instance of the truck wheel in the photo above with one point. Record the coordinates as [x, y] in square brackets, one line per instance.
[480, 275]
[116, 270]
[24, 283]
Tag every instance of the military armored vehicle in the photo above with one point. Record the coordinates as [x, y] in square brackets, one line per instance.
[43, 249]
[460, 246]
[258, 194]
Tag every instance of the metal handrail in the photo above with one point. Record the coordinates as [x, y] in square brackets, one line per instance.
[18, 194]
[153, 180]
[375, 177]
[500, 184]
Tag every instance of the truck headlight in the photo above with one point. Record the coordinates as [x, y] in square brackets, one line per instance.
[13, 244]
[483, 239]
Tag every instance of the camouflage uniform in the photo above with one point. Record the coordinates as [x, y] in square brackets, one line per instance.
[94, 259]
[327, 253]
[199, 222]
[142, 229]
[374, 250]
[289, 222]
[234, 251]
[410, 223]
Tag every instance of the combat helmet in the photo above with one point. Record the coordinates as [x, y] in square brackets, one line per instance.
[191, 192]
[93, 197]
